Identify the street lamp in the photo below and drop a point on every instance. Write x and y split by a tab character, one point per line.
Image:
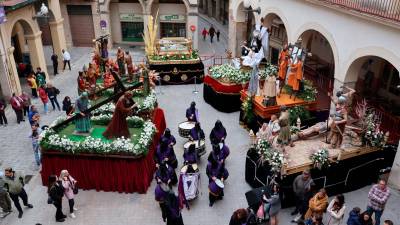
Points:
247	6
44	13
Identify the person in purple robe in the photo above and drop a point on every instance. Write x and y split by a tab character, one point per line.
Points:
216	170
190	156
169	137
218	133
192	114
196	133
174	216
165	153
163	178
219	154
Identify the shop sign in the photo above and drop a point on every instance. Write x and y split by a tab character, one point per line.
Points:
173	18
130	17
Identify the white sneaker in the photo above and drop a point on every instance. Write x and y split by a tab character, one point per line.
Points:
75	209
72	215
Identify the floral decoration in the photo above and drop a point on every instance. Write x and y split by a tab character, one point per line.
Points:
272	156
320	158
229	74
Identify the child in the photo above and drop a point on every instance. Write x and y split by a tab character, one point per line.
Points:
35	145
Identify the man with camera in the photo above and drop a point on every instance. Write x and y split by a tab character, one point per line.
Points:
14	184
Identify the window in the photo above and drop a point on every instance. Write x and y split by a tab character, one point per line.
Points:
171	1
132	31
173	29
390	79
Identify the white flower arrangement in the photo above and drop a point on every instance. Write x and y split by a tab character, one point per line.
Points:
51	140
273	157
320	158
373	135
148	103
276	160
228	73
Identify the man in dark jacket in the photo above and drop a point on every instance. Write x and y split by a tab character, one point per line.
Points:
52	92
54	59
212	33
56	192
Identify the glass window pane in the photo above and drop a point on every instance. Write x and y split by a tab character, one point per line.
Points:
132	31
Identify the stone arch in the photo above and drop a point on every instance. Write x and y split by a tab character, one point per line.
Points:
357	58
238	13
27	25
270	13
325	33
107	5
150	4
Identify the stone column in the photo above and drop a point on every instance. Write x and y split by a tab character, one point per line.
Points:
209	8
36	51
11	73
58	36
193	20
218	10
394	178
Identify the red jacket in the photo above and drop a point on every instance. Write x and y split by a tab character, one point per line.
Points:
16	102
43	95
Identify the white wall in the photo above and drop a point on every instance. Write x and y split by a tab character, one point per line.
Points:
349	36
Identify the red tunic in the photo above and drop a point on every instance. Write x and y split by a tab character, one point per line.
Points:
118	126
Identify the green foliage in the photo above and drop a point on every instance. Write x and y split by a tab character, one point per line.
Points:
298	111
309	93
247	107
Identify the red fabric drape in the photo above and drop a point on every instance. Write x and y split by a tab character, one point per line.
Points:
221	87
105	173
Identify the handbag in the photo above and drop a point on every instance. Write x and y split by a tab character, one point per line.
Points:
75	189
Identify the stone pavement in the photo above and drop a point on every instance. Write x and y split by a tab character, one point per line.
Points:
103	208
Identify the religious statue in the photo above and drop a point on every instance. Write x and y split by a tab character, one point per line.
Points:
338	122
118	127
284	137
283	65
108	79
81	83
120	61
295	76
270	90
264	36
146	81
130	67
82	123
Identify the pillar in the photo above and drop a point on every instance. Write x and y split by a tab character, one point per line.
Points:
58	37
394	178
193	19
209	8
105	15
36	51
218	10
11	78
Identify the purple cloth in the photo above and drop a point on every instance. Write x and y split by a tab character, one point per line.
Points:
159	193
170	139
164	178
190	157
217	135
192	111
218	172
168	153
222	155
196	135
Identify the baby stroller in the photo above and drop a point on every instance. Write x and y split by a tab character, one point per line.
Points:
189	182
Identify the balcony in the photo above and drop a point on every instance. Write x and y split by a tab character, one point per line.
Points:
381	9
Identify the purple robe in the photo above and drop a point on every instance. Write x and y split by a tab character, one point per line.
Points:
168	153
170	139
190	158
218	172
192	111
217	135
196	135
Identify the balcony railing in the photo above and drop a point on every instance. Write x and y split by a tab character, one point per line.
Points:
387	9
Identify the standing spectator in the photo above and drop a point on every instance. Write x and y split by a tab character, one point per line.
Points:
40	77
45	99
218	33
35	145
33	115
211	31
32	83
315	220
26	102
365	218
378	196
54	59
335	210
14	184
56	192
3	118
5	202
239	217
273	204
354	217
174	216
66	59
317	204
16	104
301	184
68	182
204	33
387	222
67	105
52	93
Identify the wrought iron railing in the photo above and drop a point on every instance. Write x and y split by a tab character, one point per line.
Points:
388	9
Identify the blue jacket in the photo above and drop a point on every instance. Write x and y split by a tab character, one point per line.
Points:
354	219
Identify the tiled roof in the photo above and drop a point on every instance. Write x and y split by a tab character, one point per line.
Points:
11	5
